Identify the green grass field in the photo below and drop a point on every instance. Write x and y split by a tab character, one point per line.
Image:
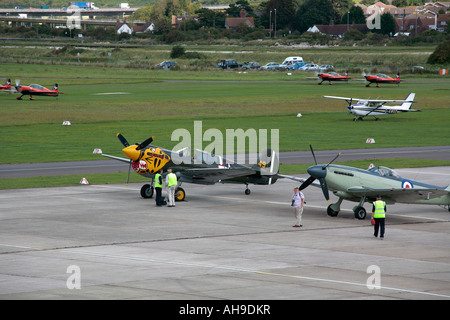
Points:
100	102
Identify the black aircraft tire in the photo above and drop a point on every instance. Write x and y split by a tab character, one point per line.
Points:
360	213
146	191
180	194
331	212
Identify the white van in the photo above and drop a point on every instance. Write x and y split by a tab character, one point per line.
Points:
292	60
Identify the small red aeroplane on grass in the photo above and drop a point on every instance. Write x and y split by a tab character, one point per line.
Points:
6	87
37	90
332	76
382	78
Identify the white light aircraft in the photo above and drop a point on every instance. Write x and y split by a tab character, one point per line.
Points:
374	108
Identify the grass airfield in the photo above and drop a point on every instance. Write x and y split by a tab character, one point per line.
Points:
100	102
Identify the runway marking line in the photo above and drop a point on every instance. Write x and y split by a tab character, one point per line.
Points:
229	268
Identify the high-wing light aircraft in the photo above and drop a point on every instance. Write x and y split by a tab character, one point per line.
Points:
374	108
37	90
195	166
353	184
382	78
332	76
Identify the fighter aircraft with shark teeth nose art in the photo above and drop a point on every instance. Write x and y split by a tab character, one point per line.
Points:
358	185
195	166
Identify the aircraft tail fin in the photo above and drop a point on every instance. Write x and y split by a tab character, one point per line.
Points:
406	105
268	163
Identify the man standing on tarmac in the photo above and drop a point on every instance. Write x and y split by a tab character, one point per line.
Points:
158	188
379	215
298	200
172	183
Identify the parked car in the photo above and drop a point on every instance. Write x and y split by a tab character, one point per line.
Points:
167	64
271	66
287	66
310	67
326	67
251	65
228	64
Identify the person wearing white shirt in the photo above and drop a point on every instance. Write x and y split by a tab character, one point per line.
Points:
298	200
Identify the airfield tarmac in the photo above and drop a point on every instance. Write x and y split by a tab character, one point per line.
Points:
218	244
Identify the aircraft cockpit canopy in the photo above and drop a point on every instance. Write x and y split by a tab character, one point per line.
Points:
37	86
385	172
199	156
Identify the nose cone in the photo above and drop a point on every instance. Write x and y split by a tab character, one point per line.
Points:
132	153
317	172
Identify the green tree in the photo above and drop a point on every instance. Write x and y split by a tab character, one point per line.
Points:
211	18
313	12
400	3
284	10
441	55
234	9
177	51
341	7
387	24
356	16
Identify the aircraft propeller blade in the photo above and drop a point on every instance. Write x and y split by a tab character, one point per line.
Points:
318	172
312	151
142	145
307	183
123	140
324	187
332	160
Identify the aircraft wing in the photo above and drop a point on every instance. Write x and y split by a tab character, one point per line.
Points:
116	158
301	180
400	195
212	175
291	178
368	100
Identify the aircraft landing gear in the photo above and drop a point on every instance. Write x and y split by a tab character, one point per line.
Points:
334	208
247	190
147	191
359	211
180	194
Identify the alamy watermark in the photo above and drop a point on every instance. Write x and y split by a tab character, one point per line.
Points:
74	20
74	280
374	20
236	143
374	280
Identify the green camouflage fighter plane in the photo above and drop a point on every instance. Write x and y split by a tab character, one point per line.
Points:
359	185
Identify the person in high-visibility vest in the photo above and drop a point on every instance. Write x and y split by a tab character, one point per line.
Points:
158	188
172	183
379	215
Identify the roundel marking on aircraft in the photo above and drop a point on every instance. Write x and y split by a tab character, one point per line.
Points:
407	184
